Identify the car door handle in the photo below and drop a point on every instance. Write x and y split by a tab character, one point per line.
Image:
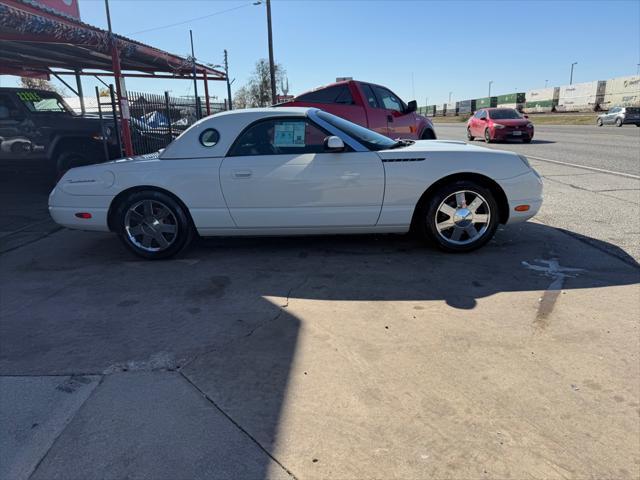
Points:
242	173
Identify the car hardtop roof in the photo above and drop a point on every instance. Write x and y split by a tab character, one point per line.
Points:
22	89
279	111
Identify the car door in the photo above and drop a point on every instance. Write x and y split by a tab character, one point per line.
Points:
611	116
376	113
14	138
479	123
400	124
277	175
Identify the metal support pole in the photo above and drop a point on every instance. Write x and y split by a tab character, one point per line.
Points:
571	77
102	129
490	89
226	72
272	68
206	93
168	108
80	93
115	119
195	78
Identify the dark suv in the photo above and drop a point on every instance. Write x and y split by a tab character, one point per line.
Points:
39	125
619	116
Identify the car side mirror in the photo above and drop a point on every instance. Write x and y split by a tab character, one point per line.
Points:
526	116
412	106
333	144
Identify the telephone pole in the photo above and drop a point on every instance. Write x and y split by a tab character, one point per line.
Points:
226	73
272	68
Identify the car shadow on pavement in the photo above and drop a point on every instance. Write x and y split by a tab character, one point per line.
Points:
220	316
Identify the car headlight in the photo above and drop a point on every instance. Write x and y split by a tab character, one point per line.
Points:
497	125
529	125
524	160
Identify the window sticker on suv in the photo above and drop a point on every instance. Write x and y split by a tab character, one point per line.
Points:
29	97
289	134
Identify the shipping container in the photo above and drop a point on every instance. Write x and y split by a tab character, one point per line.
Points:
450	109
486	102
581	97
440	110
466	107
510	99
541	100
431	110
621	92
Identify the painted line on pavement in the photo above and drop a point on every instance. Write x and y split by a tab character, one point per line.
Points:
595	169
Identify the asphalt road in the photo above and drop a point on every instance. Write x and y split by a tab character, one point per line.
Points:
591	181
609	148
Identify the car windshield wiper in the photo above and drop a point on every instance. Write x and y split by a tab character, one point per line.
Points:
400	142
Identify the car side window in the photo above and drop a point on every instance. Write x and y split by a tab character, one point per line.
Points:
370	97
336	94
389	100
8	110
482	114
279	137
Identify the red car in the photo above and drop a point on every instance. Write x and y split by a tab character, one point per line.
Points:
372	106
499	124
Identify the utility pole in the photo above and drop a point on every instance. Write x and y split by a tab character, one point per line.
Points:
195	78
490	87
272	68
545	83
571	77
226	73
450	96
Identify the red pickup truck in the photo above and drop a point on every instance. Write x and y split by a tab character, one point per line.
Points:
372	106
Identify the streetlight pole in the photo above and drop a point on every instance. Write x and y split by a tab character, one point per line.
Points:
545	83
490	87
571	77
450	96
272	68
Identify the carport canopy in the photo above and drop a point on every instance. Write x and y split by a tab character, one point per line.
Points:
37	41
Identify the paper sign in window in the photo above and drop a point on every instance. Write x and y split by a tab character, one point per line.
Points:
289	134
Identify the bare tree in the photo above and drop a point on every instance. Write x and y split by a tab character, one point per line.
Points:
38	84
257	92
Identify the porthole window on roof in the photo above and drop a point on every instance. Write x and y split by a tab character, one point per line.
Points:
209	137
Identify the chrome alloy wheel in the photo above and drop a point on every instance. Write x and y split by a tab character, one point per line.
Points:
463	217
151	225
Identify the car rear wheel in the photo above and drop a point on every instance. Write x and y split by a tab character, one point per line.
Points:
487	135
618	122
153	225
69	159
599	122
460	217
470	137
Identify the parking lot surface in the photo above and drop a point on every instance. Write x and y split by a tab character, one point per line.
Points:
326	357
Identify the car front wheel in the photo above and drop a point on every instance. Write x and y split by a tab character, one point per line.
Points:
153	225
460	217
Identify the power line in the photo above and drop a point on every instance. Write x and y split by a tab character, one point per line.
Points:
191	19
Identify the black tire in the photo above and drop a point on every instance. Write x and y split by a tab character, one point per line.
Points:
599	122
132	214
68	159
428	134
618	122
470	137
487	136
526	140
428	215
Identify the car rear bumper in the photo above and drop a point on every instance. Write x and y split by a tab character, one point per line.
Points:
66	210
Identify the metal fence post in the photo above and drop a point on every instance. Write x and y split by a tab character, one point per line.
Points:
166	103
102	130
115	118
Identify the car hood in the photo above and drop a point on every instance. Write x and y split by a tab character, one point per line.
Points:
430	146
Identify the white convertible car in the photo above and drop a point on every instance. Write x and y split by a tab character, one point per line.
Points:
297	171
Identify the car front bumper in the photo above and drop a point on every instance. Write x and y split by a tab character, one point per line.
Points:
525	189
509	133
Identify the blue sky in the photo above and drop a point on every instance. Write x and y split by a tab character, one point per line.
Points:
444	46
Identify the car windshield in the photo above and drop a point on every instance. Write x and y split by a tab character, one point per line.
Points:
504	114
43	102
633	110
370	139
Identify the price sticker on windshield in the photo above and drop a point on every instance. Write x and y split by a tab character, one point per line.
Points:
29	96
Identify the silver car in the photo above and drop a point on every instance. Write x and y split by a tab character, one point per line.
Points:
618	116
